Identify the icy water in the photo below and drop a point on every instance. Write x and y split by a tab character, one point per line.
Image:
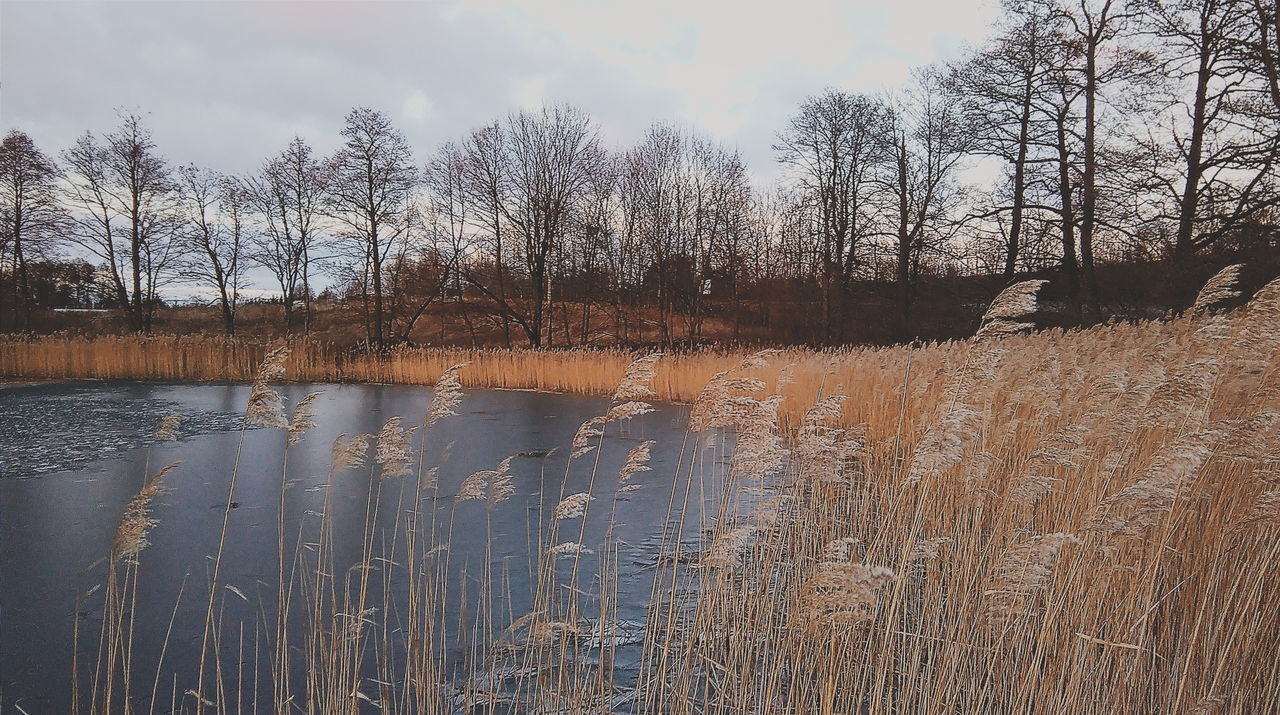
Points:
73	453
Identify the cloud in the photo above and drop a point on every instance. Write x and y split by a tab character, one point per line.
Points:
254	75
236	91
417	107
529	93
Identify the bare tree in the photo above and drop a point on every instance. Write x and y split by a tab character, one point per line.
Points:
370	195
286	198
30	215
929	140
425	270
1096	28
214	211
1262	45
524	179
832	147
1224	141
1059	96
1001	83
464	227
686	203
654	198
123	201
482	184
553	153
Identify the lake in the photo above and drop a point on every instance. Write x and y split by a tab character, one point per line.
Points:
72	454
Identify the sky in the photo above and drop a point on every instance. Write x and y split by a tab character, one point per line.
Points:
225	84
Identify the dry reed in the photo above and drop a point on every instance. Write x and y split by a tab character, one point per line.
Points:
1057	522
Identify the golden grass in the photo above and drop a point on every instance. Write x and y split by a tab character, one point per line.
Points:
1083	522
679	377
1079	523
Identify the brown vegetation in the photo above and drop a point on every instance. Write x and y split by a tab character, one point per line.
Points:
1055	522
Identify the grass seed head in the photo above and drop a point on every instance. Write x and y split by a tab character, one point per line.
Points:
348	451
265	408
447	394
302	418
1012	310
136	521
635	382
392	448
168	427
572	506
1219	289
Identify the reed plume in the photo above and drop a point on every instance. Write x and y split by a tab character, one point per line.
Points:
447	394
572	506
637	461
758	359
136	521
719	404
348	451
844	592
943	444
727	549
1219	289
824	452
1012	310
265	408
929	549
593	429
1142	505
491	486
391	448
569	548
636	379
1021	573
302	419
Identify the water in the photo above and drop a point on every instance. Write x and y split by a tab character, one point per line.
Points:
73	453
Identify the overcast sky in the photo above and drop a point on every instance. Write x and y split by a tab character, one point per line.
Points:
225	84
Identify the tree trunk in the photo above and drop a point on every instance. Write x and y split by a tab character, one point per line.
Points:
286	299
21	279
1070	266
377	290
137	316
904	244
1088	205
1184	247
1019	187
228	317
306	287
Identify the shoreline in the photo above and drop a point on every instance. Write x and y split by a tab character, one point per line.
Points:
27	382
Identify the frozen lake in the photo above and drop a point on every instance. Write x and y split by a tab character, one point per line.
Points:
73	453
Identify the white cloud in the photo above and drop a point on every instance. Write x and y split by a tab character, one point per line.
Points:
417	107
529	93
227	96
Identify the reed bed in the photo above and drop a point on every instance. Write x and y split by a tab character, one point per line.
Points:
212	358
679	377
1083	522
1078	522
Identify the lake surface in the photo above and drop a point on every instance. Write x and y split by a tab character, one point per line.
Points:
73	453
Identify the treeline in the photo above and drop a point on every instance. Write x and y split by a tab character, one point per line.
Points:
1105	132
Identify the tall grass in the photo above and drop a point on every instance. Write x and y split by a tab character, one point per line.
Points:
1084	522
1055	522
677	378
